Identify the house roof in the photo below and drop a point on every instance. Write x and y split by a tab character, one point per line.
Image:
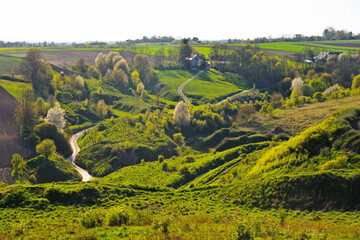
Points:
325	55
322	55
192	57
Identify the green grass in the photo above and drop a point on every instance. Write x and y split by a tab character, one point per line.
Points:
296	46
210	85
14	88
10	65
213	84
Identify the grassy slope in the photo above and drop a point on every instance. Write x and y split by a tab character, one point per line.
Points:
214	84
191	215
212	211
53	170
211	84
295	120
14	88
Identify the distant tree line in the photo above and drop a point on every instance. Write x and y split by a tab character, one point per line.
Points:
328	34
26	44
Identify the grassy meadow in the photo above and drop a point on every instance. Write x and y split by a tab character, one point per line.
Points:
210	85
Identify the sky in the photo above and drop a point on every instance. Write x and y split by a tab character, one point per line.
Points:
109	20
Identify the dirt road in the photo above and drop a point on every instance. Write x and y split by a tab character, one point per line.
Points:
180	88
224	100
76	149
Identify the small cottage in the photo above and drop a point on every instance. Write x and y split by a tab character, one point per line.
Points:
194	60
323	57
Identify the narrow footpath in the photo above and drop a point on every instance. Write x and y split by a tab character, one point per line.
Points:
180	88
76	149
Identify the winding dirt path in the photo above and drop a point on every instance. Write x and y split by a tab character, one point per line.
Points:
76	149
180	88
224	100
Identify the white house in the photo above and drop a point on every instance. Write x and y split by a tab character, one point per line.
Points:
194	60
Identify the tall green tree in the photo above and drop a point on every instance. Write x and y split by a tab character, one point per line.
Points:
185	51
143	66
19	166
37	71
26	112
46	148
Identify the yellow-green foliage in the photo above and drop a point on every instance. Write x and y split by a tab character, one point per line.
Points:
338	163
294	151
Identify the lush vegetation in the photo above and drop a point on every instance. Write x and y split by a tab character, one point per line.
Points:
279	163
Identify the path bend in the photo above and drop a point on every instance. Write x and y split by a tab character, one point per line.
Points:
180	88
76	149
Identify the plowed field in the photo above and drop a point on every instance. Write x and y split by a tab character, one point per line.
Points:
10	141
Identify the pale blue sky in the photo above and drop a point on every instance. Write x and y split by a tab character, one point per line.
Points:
106	20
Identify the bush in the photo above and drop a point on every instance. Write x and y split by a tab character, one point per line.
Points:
164	226
119	217
63	97
242	233
338	163
319	96
33	139
189	159
161	158
15	198
93	219
165	166
356	82
46	130
184	170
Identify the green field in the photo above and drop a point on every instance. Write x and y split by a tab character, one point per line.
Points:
211	84
14	88
9	65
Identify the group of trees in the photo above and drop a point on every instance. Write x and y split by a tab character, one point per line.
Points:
328	34
256	66
37	71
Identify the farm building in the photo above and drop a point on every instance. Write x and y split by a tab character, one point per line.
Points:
194	60
323	57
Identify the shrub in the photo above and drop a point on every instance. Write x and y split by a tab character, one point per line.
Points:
165	166
189	159
119	217
46	148
63	97
15	198
319	96
179	139
163	226
184	170
307	90
338	163
93	219
161	158
93	72
245	112
46	130
33	139
356	82
243	233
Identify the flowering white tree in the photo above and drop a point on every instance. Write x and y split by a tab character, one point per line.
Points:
181	114
56	116
296	85
296	82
